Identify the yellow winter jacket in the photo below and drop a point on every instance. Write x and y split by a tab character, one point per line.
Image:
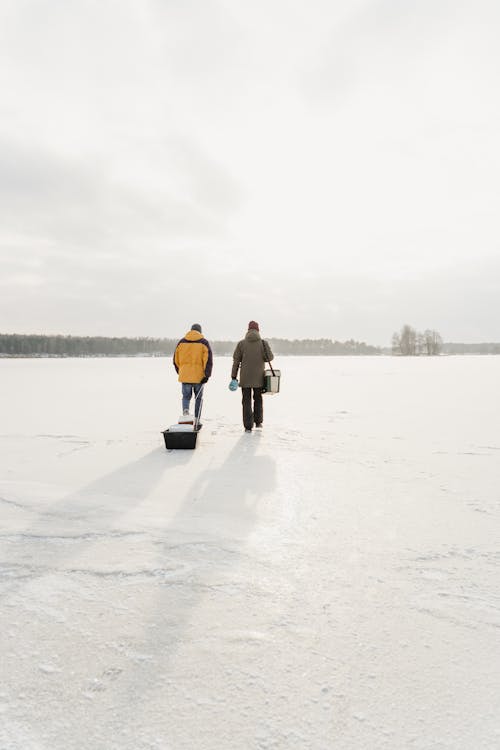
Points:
193	358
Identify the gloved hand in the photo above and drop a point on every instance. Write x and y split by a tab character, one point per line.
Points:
233	385
205	380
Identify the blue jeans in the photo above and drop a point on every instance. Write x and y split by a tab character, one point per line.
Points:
187	392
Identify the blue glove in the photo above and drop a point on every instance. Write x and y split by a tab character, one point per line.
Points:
233	385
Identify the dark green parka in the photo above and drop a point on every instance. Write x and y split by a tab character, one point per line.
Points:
251	354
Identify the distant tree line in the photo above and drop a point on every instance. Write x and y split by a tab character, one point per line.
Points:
484	348
80	346
318	347
407	342
410	343
20	345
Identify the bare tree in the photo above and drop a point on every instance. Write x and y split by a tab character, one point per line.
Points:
433	342
410	342
396	343
420	343
408	338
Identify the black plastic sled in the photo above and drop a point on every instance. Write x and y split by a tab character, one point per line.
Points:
181	440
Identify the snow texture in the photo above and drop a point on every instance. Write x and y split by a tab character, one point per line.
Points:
329	582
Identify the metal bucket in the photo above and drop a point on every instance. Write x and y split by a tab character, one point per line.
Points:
272	381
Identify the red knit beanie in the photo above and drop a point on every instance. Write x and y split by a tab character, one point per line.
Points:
253	325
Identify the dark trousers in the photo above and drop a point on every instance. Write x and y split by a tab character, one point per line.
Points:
257	414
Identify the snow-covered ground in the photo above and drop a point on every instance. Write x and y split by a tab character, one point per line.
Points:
331	583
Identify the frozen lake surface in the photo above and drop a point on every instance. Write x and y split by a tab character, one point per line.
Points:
330	583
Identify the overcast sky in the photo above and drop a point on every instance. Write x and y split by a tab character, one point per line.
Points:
329	168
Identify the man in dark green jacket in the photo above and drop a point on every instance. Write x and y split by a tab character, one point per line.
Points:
249	357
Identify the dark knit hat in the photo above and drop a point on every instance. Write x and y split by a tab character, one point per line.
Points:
253	325
196	327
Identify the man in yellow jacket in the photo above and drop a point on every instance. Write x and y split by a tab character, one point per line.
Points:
193	362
